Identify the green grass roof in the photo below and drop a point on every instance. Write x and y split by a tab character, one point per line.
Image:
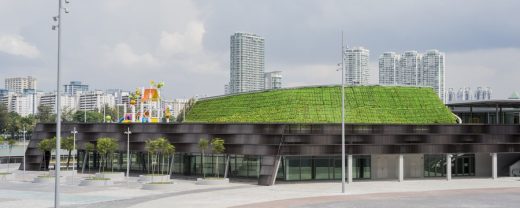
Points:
364	104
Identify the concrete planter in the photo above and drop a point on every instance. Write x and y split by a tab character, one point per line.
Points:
156	178
44	180
63	172
212	181
115	176
90	182
157	186
7	176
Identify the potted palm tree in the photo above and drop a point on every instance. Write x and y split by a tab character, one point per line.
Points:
45	146
217	147
89	147
106	147
160	149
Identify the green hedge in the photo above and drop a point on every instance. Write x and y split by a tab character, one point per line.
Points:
364	104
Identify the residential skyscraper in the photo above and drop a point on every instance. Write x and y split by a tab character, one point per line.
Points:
409	69
432	73
388	66
356	66
75	87
18	84
273	80
247	63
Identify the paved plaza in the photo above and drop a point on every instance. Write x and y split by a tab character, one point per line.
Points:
459	192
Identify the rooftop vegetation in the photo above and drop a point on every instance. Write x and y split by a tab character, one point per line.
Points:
364	104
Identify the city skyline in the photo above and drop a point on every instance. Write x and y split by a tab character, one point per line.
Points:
188	46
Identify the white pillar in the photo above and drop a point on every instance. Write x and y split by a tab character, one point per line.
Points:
349	168
448	166
494	163
401	168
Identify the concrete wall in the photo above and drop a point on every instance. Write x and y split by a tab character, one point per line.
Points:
482	165
413	166
385	166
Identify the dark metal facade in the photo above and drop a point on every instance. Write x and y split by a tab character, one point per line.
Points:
297	139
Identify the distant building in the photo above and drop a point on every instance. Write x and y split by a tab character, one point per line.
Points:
66	101
95	100
247	63
356	66
75	87
408	72
466	94
273	80
18	84
178	105
388	67
433	72
226	89
414	69
451	95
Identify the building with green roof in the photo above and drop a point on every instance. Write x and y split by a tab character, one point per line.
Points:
322	104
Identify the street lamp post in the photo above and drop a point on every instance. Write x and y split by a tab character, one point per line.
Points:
128	132
342	115
58	104
74	132
24	149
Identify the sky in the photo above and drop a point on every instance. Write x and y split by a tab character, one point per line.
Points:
125	44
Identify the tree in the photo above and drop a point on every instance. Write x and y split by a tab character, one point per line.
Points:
45	114
10	142
2	140
28	122
92	116
106	146
67	114
203	145
14	123
3	116
152	148
67	143
89	147
45	145
217	145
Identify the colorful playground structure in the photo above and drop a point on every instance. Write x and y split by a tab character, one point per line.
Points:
148	101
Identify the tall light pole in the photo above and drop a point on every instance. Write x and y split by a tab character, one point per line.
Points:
74	132
128	132
24	149
58	105
342	115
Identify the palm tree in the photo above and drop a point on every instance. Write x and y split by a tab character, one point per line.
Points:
89	147
45	145
10	143
217	145
203	145
68	144
106	146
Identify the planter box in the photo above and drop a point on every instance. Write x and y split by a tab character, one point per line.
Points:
88	182
115	176
7	176
44	180
157	187
156	178
220	181
63	172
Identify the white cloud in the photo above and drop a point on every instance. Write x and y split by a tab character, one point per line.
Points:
189	42
123	54
16	45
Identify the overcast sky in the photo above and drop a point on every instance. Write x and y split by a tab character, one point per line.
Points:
126	43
